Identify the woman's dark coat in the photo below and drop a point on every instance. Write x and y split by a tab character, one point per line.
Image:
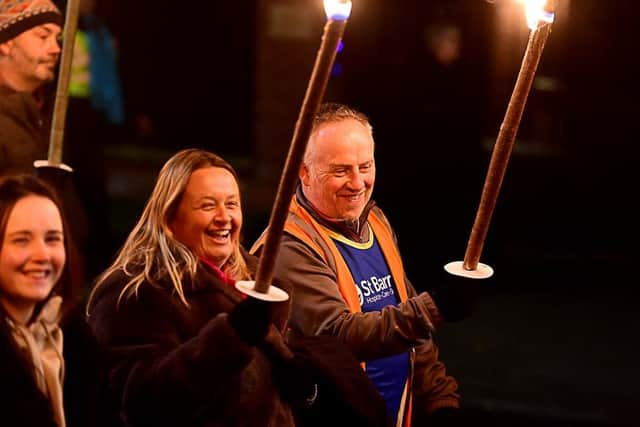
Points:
177	365
22	404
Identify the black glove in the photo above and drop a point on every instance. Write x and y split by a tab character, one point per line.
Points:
449	417
58	178
343	386
457	296
295	380
251	319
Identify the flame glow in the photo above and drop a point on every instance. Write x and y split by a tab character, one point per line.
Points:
536	13
338	10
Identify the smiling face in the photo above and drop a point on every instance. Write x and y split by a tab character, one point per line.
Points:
209	217
32	255
339	170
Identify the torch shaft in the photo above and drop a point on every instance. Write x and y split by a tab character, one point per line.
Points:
325	57
62	89
504	144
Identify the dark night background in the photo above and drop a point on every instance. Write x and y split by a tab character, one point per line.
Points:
554	341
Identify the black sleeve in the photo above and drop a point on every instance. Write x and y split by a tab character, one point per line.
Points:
161	376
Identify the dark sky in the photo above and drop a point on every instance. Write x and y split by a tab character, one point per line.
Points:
569	195
569	198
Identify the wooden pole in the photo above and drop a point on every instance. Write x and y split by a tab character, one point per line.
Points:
504	144
62	91
333	31
502	151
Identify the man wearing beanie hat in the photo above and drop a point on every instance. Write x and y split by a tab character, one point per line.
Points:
30	31
29	53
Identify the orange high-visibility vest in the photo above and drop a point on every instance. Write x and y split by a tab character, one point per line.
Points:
346	283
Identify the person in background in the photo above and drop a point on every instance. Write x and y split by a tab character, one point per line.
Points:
94	70
50	362
29	53
95	119
340	254
185	346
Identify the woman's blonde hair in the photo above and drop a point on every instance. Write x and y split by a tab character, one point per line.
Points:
151	252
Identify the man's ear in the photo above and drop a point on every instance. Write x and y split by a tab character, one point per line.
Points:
5	48
303	174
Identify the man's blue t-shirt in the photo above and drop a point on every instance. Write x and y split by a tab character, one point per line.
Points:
376	290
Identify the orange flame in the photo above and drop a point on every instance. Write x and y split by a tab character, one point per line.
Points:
538	11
